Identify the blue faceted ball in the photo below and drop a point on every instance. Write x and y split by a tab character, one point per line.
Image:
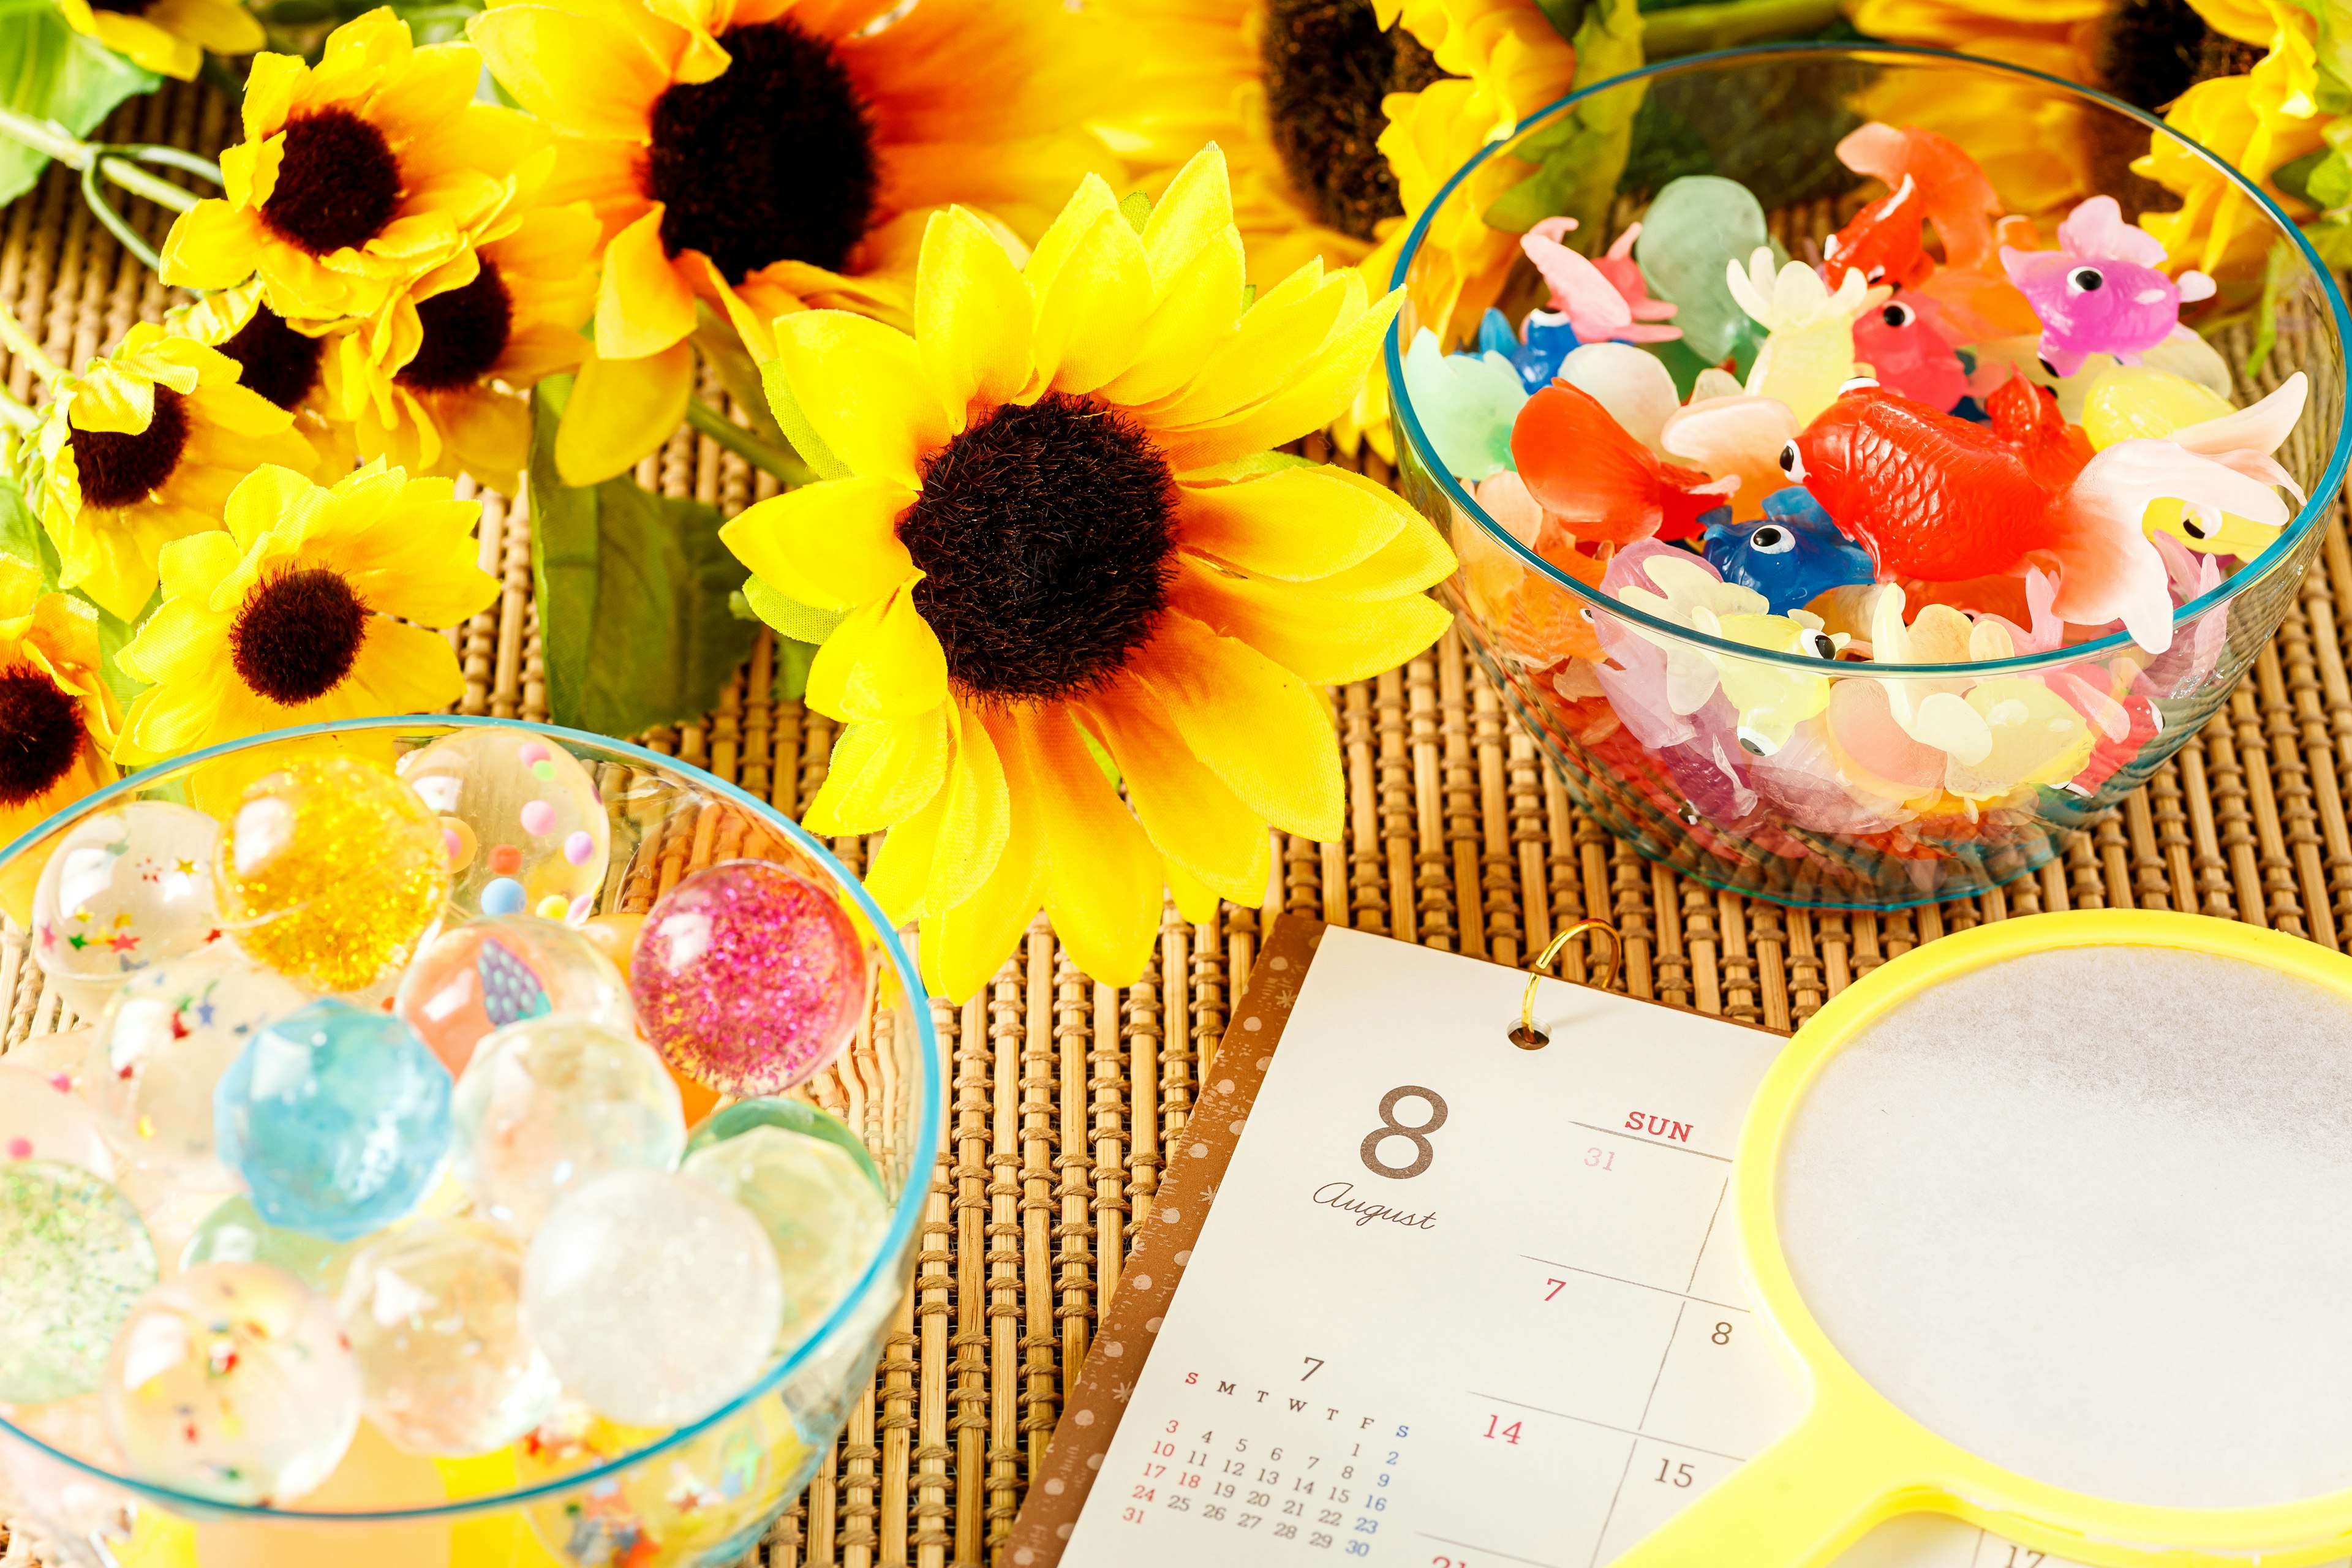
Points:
338	1119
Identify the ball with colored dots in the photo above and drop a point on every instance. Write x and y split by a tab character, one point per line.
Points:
549	1102
748	978
41	1119
234	1382
656	1297
434	1312
537	829
336	1117
123	889
169	1034
74	1257
332	873
480	977
822	1213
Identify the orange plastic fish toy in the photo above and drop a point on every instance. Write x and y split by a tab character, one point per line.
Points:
1588	472
1937	498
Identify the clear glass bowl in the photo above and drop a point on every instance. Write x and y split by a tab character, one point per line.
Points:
1818	822
700	1495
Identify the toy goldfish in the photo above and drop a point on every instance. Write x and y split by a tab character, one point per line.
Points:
1601	484
1907	354
1550	339
1601	299
1810	354
1937	498
1882	241
1953	192
1791	557
2100	291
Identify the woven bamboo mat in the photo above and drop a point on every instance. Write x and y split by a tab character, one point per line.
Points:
1065	1093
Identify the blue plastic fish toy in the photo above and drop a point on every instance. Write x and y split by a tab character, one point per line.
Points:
1791	555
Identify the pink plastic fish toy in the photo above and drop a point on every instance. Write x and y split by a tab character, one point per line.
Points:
1602	300
1908	356
2101	290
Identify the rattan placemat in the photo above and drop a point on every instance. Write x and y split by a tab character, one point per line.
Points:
1066	1093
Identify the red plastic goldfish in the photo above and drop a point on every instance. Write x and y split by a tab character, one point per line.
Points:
1603	485
1940	499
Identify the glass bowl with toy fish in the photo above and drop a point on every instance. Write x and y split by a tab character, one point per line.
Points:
1853	498
321	1332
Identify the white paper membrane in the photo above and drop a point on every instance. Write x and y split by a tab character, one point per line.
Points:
2088	1213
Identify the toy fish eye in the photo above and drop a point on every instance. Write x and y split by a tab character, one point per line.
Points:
1820	644
2085	279
1898	315
1873	275
1770	541
1585	611
2191	527
1792	462
1755	742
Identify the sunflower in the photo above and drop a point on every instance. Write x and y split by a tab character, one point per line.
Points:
2259	122
439	381
283	361
142	448
56	717
1049	525
355	176
167	36
299	612
764	156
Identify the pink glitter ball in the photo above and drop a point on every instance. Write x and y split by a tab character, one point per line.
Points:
748	978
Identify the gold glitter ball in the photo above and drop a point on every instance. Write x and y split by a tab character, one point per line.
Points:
333	873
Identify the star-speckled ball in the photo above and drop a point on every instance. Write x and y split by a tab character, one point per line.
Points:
748	978
332	873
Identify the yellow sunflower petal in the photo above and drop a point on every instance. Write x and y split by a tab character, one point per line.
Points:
1328	641
1092	286
972	316
403	670
1194	214
966	943
1294	524
620	411
1186	323
901	868
1416	559
861	388
1320	395
976	822
883	662
1258	727
1103	879
1277	335
1192	818
831	544
643	306
1195	900
881	773
582	74
212	245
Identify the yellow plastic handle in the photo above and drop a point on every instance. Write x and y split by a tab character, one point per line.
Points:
1798	1504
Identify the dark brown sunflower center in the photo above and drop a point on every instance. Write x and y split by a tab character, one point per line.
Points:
120	469
771	161
338	184
123	8
1046	537
1327	65
298	634
40	735
466	330
280	363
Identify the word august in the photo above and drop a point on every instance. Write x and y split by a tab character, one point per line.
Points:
1341	1195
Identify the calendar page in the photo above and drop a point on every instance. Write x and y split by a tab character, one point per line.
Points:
1411	1297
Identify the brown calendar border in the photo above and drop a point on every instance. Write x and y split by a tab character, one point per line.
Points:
1196	1166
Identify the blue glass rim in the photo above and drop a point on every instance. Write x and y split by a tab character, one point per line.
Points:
2290	538
904	1218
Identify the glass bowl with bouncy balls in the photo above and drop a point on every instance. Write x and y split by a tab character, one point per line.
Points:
487	1460
1867	465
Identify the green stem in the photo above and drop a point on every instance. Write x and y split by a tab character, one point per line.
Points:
19	341
16	416
1695	30
789	470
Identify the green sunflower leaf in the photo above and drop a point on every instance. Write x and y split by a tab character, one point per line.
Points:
633	597
1579	157
51	72
20	532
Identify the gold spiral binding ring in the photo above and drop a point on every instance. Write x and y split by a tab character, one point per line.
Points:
1527	1037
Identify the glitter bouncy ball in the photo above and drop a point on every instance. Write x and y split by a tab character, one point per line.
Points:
748	978
333	872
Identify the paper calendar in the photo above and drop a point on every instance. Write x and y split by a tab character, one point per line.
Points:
1410	1295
